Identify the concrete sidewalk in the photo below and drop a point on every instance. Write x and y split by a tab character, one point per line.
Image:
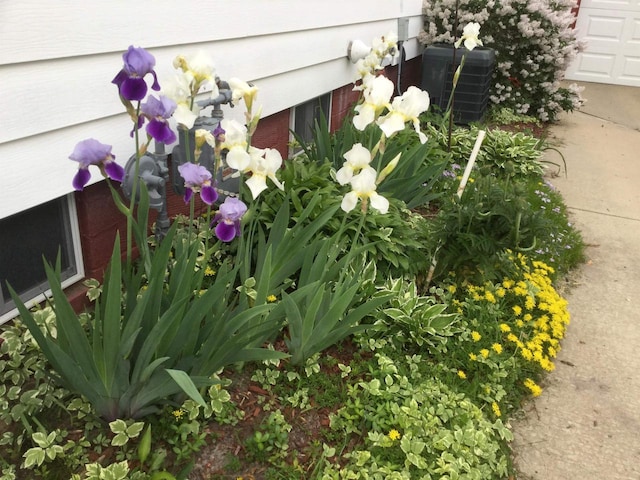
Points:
586	424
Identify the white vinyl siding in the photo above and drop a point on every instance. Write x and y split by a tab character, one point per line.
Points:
57	60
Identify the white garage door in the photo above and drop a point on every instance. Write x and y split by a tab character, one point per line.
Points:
611	29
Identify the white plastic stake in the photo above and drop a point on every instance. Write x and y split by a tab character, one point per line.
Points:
463	183
472	161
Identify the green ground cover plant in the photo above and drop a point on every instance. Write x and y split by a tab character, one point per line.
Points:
304	335
485	342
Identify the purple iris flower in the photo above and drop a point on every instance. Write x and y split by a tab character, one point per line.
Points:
227	220
92	152
218	133
130	80
158	111
197	179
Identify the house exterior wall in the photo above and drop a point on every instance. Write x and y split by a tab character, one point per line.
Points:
99	219
57	60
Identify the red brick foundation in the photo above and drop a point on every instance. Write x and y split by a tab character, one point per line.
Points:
342	102
273	132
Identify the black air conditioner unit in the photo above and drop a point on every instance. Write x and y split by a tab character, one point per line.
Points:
472	92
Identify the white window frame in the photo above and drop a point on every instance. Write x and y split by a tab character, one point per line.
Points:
74	231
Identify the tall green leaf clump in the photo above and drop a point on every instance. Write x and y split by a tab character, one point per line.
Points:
154	334
148	343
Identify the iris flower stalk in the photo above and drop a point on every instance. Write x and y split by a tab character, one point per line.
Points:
131	83
193	73
470	40
241	90
134	191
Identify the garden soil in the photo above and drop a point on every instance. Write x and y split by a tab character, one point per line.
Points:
586	423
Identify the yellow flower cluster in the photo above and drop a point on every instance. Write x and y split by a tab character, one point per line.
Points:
394	434
178	414
489	296
548	318
540	315
535	389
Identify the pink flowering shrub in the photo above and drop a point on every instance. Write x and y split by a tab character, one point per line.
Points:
534	43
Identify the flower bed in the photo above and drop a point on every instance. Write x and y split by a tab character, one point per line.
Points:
321	329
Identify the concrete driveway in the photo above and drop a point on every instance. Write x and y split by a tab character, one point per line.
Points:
586	424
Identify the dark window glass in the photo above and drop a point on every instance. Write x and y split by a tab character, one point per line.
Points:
306	114
25	239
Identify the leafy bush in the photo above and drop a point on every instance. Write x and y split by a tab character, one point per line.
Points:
512	328
492	215
415	426
534	43
562	247
413	321
504	154
499	115
320	314
394	241
497	214
25	387
505	205
50	432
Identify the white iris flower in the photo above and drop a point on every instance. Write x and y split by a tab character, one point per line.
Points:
235	140
470	36
363	186
356	159
264	164
377	95
242	90
406	108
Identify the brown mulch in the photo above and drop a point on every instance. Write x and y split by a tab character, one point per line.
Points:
226	455
530	128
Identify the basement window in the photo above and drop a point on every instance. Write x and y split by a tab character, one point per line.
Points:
28	237
305	117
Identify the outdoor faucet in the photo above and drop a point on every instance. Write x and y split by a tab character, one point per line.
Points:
153	168
153	171
225	96
179	154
